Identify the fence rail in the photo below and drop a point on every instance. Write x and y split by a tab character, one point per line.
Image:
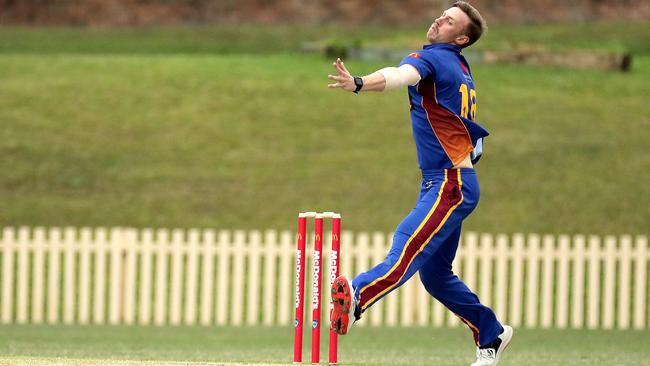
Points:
207	277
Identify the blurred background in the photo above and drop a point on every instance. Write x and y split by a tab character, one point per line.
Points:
153	115
216	114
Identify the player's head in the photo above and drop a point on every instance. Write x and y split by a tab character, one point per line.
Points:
461	25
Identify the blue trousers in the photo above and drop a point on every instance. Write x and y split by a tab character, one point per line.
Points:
426	241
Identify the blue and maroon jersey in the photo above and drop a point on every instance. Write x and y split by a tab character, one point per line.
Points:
443	107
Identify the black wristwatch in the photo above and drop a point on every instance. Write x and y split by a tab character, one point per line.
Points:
358	82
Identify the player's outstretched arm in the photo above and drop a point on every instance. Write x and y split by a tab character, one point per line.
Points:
388	78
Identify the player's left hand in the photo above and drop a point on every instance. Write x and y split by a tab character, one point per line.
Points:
343	79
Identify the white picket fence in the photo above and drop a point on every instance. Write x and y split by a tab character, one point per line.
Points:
207	277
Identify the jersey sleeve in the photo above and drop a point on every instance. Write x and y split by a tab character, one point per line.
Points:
418	60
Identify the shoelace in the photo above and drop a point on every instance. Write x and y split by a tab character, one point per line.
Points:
487	354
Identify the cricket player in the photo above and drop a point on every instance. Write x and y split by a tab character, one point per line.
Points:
442	96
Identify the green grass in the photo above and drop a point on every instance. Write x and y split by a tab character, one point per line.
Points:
366	346
255	38
157	131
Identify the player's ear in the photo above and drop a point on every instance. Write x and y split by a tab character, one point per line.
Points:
461	40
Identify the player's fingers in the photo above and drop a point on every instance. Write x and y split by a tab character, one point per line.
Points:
335	85
342	67
339	67
336	78
341	72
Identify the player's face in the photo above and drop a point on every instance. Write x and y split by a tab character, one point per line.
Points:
449	27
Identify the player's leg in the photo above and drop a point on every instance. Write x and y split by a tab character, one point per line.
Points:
440	281
438	278
440	209
346	293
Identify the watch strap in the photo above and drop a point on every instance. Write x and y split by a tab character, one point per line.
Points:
358	83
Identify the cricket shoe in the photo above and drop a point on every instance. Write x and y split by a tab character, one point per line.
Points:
491	354
343	305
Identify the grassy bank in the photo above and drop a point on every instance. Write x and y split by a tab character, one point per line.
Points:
157	139
255	38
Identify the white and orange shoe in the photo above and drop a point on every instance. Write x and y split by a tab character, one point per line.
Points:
344	305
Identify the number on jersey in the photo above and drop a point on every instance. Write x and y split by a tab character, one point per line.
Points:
468	102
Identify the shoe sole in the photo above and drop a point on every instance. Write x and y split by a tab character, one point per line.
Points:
341	301
506	343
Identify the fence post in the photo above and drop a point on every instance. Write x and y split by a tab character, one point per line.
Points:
516	292
53	278
502	255
253	277
38	290
191	274
22	290
548	259
207	276
285	284
271	252
564	254
577	302
69	270
640	287
131	249
237	303
162	249
99	310
223	255
8	240
176	294
532	283
625	264
610	283
85	241
115	284
146	254
594	282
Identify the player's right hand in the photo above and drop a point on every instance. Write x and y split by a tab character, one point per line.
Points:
343	79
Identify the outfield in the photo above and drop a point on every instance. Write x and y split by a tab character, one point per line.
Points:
104	345
208	128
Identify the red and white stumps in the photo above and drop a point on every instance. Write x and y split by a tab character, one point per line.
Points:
300	288
316	281
334	273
